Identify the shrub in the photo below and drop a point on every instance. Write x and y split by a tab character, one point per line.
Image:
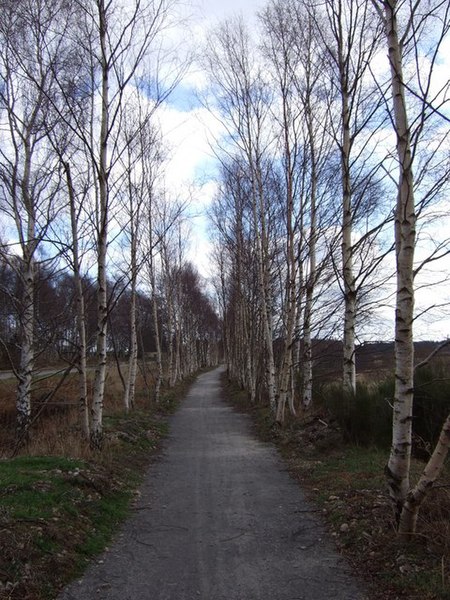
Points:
366	418
431	404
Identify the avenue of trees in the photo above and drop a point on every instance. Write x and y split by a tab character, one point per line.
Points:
334	175
332	194
92	256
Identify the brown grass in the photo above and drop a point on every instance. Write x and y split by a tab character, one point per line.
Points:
56	427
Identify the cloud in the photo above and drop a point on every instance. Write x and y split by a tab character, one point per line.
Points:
188	135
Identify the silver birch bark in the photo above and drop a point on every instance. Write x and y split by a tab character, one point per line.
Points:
132	359
28	245
118	42
264	293
152	279
169	293
342	59
278	49
416	496
349	362
133	230
80	304
315	126
27	167
400	39
398	467
25	372
262	246
354	40
307	363
102	235
244	107
159	359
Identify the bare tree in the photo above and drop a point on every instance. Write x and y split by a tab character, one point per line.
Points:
417	101
232	216
243	100
117	39
348	32
30	178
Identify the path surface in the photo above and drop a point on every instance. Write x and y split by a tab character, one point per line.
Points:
218	519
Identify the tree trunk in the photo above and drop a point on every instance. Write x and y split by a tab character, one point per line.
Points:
132	362
23	403
159	363
414	499
102	243
291	288
28	243
349	364
81	314
307	364
398	468
263	276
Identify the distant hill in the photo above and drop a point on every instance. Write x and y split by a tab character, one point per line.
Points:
372	358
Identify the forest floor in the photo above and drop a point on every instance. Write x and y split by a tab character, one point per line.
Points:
346	484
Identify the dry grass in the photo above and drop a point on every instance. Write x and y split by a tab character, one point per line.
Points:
56	429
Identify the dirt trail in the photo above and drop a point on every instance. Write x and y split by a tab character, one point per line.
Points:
218	518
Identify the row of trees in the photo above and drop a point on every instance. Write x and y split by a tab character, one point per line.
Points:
335	162
82	195
56	332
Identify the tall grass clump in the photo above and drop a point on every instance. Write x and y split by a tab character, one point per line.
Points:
431	403
364	418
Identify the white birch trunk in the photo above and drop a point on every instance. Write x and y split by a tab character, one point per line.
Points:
159	363
169	292
307	363
291	288
102	243
130	385
25	373
415	498
398	467
81	313
263	280
28	243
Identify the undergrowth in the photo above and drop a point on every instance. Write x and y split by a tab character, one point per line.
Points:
365	418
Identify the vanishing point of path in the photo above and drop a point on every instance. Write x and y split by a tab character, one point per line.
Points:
218	518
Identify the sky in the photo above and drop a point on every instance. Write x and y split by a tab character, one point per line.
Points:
189	129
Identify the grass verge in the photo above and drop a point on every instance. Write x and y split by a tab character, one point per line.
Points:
346	484
57	513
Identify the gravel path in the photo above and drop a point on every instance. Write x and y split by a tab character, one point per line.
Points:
218	518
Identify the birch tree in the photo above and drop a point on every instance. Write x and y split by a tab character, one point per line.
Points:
349	35
416	100
243	101
30	179
280	49
231	214
118	39
142	148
